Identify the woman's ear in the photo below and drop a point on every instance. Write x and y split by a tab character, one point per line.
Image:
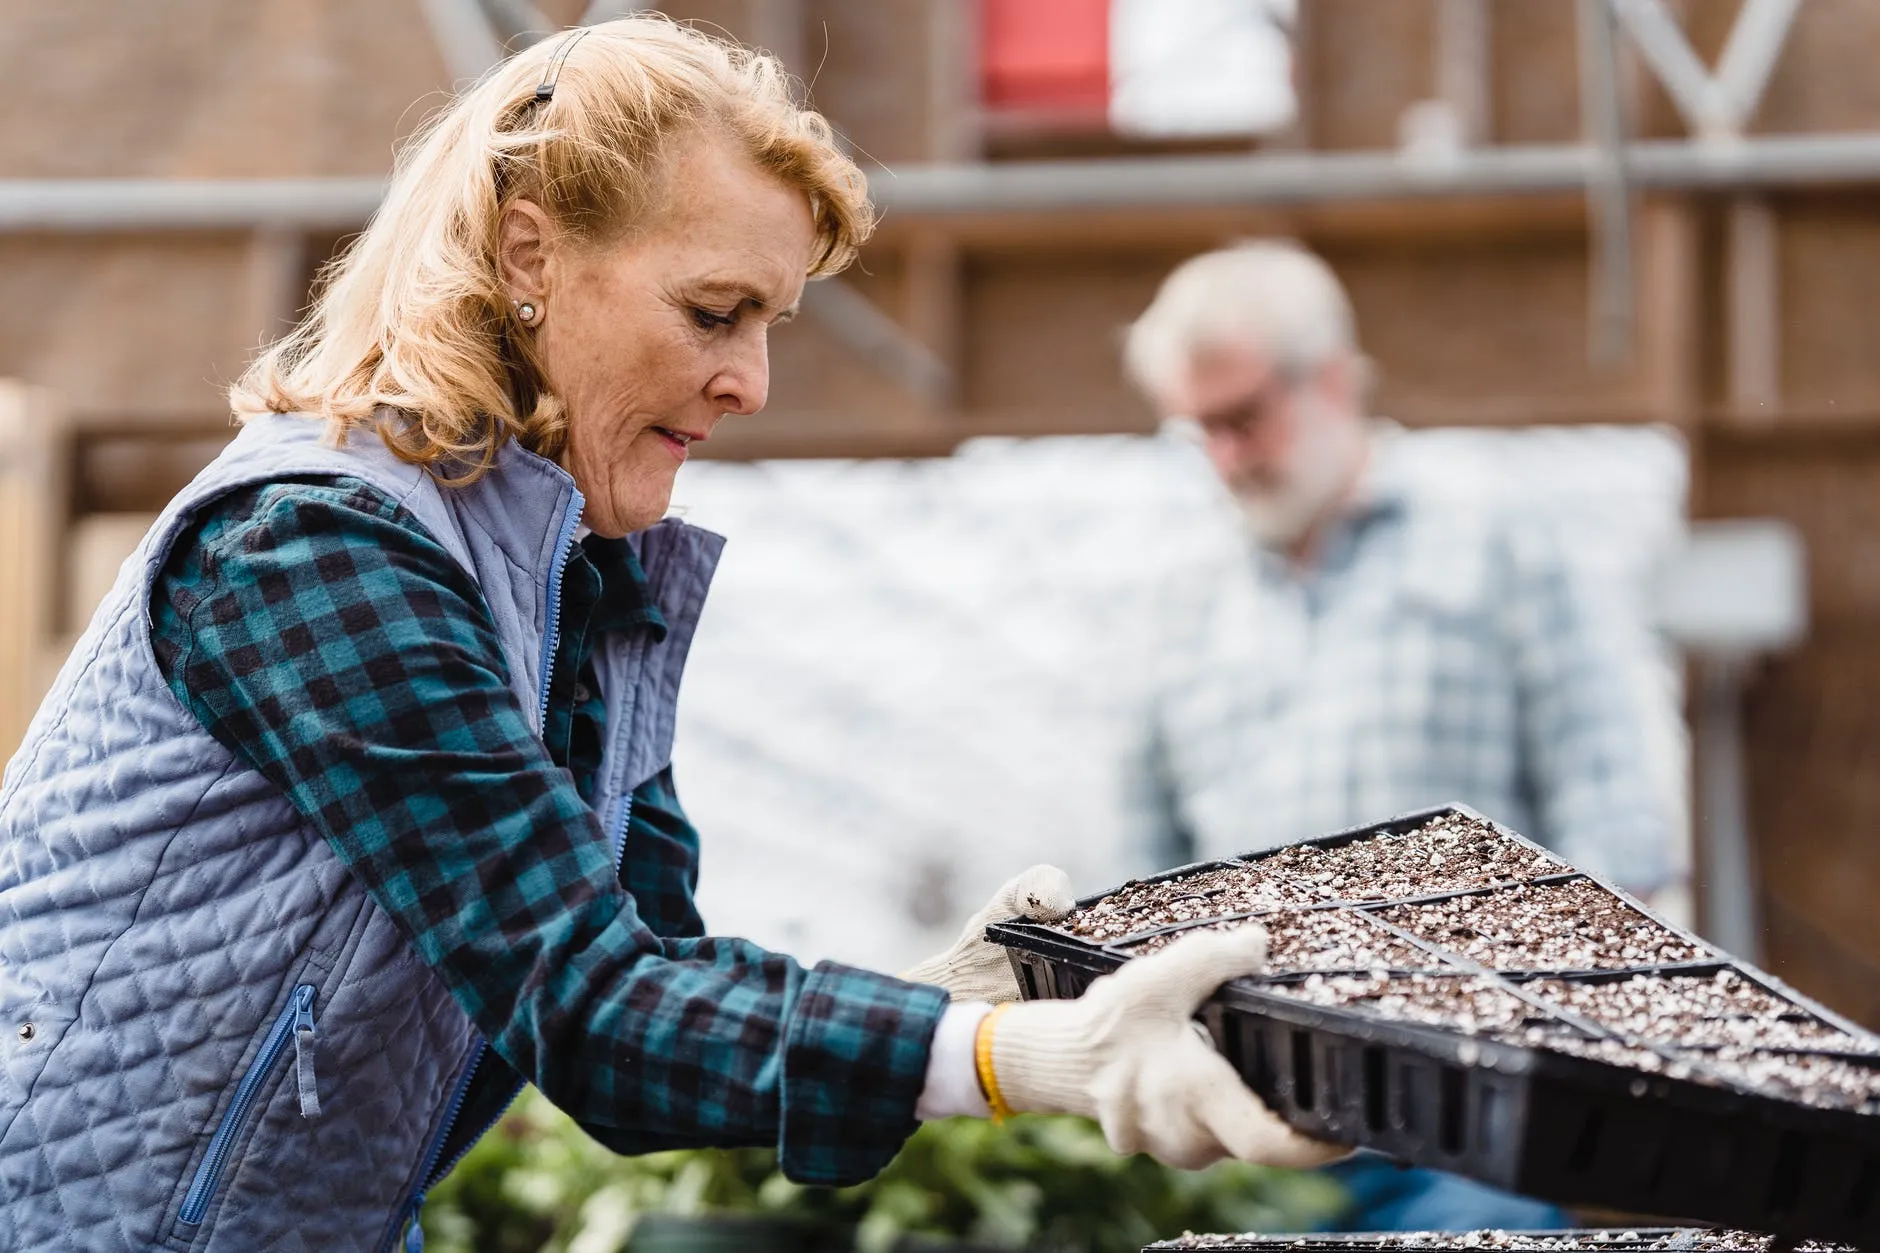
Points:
523	239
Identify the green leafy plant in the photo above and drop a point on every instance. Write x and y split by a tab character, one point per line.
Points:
537	1183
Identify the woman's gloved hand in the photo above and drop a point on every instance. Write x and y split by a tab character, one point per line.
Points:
1129	1054
974	970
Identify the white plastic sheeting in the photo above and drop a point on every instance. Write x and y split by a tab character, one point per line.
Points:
915	678
1200	67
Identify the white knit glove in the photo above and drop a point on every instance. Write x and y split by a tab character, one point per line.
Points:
1129	1054
975	970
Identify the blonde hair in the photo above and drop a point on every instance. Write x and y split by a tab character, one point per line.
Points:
414	317
1270	294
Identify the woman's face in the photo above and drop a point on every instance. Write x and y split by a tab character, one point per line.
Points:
650	339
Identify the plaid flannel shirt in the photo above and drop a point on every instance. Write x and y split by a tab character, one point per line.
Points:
319	633
1440	649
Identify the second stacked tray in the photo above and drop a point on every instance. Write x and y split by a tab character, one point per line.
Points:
1447	992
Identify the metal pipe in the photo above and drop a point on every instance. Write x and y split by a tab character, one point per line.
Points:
1685	78
1762	28
520	22
941	191
1306	178
860	326
465	37
1732	919
1463	65
607	10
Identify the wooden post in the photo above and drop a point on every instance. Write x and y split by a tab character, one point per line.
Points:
1753	306
936	312
1669	316
276	280
1463	66
32	508
935	309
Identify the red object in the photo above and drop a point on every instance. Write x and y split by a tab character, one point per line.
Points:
1045	55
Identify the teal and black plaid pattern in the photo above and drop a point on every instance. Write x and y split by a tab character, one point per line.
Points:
320	634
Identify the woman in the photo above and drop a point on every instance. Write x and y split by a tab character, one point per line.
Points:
353	808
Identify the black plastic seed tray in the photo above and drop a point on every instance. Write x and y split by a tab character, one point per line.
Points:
1578	1240
1526	1076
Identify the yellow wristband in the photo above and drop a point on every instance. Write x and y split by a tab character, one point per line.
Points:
982	1063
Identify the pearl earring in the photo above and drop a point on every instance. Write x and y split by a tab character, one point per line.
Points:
527	312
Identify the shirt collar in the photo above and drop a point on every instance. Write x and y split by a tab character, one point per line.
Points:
1387	482
626	600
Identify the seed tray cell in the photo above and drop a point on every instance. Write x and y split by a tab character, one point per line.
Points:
1452	852
1575	1043
1634	1240
1468	1003
1513	1052
1575	925
1830	1082
1700	1011
1217	891
1305	940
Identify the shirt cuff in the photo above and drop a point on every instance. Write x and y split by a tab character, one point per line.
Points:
952	1089
854	1060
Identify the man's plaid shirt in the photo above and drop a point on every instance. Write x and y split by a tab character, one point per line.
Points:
1442	648
327	640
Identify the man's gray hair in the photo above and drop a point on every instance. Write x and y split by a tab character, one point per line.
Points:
1271	295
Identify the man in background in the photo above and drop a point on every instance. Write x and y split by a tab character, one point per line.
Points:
1392	639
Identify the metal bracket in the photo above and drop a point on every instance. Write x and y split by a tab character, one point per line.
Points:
1714	105
860	326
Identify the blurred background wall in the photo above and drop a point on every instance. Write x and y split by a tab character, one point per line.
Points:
172	176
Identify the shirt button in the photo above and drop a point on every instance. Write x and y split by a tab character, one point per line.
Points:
581	694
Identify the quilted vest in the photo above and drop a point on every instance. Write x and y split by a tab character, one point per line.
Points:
210	1037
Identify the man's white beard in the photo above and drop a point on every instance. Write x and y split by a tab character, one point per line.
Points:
1279	515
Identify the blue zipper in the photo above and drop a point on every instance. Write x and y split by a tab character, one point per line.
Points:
550	642
414	1205
620	834
414	1230
295	1016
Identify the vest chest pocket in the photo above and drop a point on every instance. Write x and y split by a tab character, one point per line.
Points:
292	1029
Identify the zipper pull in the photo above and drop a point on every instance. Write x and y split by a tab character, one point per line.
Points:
414	1234
304	1052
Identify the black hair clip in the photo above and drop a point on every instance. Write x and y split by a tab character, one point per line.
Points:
546	90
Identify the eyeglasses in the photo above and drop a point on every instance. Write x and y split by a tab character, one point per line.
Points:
1237	420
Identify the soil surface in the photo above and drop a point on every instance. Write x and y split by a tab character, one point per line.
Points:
1448	854
1138	907
1465	1003
1565	1039
1589	1241
1576	925
1301	940
1832	1082
1698	1011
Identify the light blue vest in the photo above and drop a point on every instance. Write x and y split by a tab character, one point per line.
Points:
210	1038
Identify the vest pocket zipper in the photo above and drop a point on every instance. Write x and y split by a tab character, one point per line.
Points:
293	1025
